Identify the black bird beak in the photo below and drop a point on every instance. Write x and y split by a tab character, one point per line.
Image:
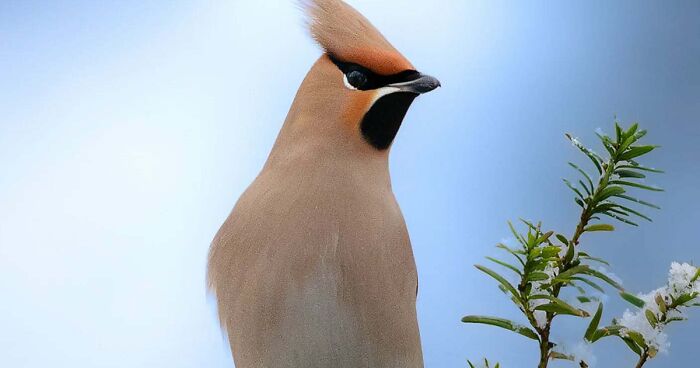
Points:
422	84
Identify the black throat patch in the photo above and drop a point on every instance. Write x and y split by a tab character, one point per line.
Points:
383	120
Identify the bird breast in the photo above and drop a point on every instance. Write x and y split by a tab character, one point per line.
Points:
312	260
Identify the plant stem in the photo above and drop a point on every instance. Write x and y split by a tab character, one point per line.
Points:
544	348
586	214
642	359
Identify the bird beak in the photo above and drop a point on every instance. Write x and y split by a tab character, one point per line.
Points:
422	84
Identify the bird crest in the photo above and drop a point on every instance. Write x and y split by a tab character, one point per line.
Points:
348	36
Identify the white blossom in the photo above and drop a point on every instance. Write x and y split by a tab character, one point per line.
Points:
654	337
680	277
680	281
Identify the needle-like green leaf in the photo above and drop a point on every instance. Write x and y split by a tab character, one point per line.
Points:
632	345
609	192
501	280
593	326
604	277
561	356
637	338
651	317
629	174
562	308
516	235
619	135
537	276
661	303
632	299
585	175
631	138
544	237
502	323
636	152
638	167
515	253
589	283
596	259
632	199
562	239
636	185
621	219
684	298
599	227
504	264
591	155
634	212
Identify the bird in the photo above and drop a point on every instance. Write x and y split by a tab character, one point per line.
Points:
314	266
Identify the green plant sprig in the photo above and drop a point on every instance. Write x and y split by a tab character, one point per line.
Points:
549	261
668	309
486	364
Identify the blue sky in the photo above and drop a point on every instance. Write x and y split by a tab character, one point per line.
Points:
130	128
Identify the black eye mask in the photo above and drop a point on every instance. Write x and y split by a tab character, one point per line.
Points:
382	121
365	80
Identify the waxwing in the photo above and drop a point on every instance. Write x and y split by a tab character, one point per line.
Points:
314	267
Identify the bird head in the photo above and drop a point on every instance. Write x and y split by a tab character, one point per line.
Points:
360	89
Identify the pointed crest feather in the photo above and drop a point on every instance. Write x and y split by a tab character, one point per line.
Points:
348	36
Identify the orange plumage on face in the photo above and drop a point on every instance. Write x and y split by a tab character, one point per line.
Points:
370	81
384	62
356	107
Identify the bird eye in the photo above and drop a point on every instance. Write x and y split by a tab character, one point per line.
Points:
356	78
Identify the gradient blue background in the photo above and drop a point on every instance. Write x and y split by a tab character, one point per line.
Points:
128	129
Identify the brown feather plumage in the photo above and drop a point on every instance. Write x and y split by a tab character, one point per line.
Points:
313	268
346	34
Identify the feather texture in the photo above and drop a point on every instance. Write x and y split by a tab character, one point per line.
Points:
347	35
313	268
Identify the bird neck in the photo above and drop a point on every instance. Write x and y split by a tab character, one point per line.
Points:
323	129
294	154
